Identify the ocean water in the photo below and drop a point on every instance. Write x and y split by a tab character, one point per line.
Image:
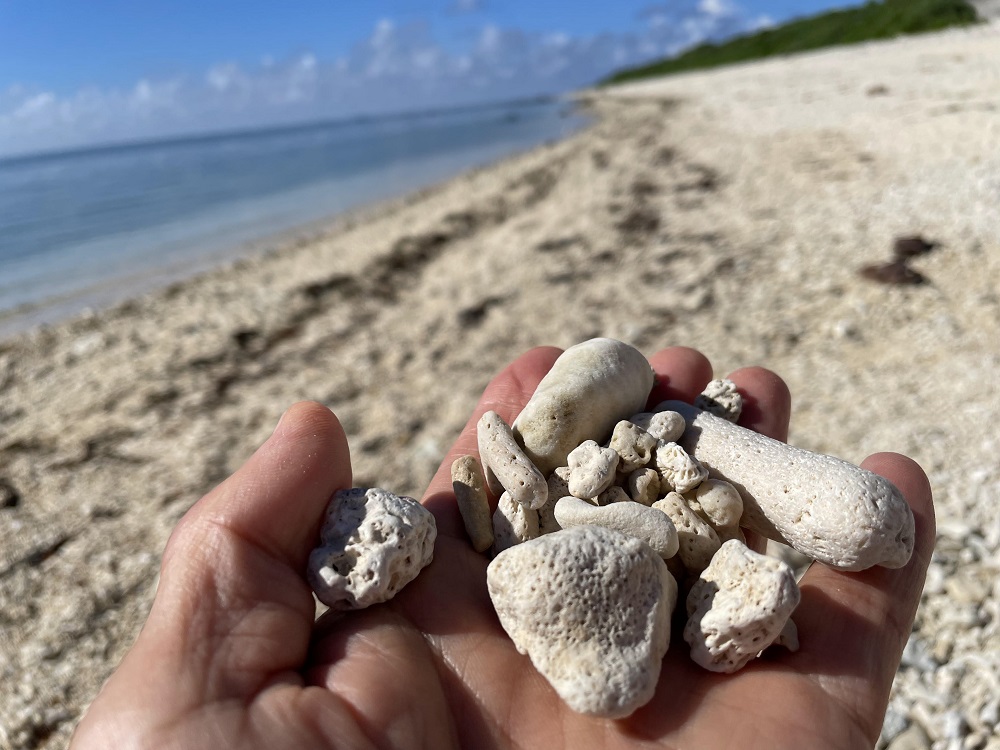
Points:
88	228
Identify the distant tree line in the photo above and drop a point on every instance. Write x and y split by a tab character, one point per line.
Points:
874	20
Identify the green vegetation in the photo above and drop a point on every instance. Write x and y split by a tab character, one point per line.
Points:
871	21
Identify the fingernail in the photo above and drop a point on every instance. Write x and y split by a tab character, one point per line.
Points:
282	419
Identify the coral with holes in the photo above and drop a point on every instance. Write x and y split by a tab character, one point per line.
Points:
679	471
372	544
739	606
591	609
722	399
633	445
826	508
697	540
720	504
504	460
663	425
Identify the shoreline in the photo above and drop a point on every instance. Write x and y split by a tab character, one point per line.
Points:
727	210
26	318
200	243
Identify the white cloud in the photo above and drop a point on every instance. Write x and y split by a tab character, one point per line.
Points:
35	106
717	8
467	6
399	66
223	77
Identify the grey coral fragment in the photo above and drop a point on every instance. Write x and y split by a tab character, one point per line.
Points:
558	482
644	486
613	494
470	495
512	523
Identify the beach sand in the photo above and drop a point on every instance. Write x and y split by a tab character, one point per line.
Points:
727	210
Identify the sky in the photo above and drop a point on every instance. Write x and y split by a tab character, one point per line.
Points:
75	73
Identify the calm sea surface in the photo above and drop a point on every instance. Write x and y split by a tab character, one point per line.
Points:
88	228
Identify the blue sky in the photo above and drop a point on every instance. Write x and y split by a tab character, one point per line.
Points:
75	72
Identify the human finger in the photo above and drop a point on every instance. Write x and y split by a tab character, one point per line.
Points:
277	498
767	403
232	581
853	626
681	374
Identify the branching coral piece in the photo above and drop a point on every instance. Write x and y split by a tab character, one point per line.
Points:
502	455
826	508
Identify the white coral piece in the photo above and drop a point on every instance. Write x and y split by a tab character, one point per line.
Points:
697	539
591	608
720	504
633	445
644	486
646	524
590	387
664	425
373	543
502	455
722	399
738	607
591	469
679	471
826	508
512	523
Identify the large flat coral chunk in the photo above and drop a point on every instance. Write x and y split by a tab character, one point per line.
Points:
591	608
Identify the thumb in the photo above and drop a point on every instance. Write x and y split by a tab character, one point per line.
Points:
233	610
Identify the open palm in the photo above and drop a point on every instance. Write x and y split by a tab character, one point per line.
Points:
231	656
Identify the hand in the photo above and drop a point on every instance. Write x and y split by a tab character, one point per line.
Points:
231	657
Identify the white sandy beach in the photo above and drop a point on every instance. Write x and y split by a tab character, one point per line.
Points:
727	210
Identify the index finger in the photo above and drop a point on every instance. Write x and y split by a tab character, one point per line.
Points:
853	626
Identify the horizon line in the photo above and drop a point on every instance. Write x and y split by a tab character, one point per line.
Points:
305	125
